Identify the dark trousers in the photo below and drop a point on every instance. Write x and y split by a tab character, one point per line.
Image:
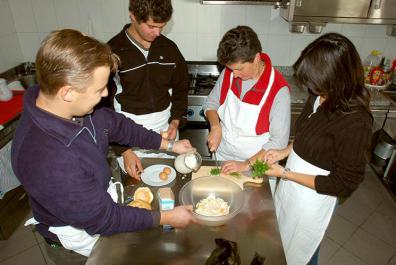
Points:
61	256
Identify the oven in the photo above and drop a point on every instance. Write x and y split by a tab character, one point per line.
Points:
202	78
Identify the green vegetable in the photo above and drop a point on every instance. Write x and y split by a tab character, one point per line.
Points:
235	174
259	168
215	171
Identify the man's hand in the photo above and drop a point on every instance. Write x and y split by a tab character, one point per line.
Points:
182	146
132	164
234	166
178	217
172	129
214	138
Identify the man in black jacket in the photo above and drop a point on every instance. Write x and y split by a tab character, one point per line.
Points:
151	65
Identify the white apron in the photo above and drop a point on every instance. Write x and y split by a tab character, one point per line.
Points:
238	122
77	239
303	214
156	121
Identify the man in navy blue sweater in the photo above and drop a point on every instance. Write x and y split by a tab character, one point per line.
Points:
59	150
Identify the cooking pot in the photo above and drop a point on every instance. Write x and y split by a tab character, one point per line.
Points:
385	145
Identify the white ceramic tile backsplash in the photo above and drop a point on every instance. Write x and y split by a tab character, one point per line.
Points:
22	11
196	28
44	13
6	21
67	13
10	52
30	43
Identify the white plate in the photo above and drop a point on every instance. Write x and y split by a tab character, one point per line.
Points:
150	176
369	86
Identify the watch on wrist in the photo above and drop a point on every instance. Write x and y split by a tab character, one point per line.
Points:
170	145
284	173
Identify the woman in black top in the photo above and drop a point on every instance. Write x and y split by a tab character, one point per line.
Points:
327	158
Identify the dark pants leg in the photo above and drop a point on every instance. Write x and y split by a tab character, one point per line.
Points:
62	256
315	258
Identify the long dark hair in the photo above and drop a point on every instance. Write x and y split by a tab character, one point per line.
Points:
331	67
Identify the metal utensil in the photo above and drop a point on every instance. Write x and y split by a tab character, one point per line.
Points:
217	162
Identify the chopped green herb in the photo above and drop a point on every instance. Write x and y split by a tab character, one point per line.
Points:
235	174
259	168
215	171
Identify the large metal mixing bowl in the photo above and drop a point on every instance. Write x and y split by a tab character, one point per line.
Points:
200	188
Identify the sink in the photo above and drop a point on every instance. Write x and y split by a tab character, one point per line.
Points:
391	94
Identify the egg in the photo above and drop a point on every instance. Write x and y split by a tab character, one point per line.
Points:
166	170
163	176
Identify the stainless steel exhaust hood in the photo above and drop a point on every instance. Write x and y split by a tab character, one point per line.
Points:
315	14
241	2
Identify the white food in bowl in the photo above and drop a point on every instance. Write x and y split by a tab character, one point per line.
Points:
212	206
191	161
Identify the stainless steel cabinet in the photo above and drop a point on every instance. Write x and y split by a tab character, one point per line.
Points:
383	9
316	13
334	8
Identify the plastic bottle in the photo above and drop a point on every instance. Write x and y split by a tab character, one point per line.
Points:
376	74
393	84
373	60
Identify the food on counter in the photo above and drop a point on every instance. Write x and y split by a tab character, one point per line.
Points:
215	171
143	194
259	168
140	204
163	176
212	206
235	174
191	161
167	170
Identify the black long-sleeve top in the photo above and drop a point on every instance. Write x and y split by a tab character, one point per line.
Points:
336	142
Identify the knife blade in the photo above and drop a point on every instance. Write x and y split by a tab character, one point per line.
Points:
215	157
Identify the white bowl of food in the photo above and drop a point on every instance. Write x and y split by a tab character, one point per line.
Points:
215	199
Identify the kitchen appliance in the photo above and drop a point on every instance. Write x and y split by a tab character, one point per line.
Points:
201	188
315	14
202	78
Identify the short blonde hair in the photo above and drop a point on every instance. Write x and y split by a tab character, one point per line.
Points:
68	57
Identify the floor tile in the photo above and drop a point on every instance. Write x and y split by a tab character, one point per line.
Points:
30	256
343	257
370	196
327	249
382	227
387	208
340	229
22	239
354	210
46	258
393	260
369	248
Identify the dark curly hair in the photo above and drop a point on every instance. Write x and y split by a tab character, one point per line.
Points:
331	67
239	44
159	11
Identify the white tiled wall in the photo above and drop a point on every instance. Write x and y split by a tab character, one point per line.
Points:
196	28
10	51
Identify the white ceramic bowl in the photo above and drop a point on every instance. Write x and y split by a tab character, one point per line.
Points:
200	188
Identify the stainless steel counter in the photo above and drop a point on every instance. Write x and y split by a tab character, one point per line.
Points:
254	229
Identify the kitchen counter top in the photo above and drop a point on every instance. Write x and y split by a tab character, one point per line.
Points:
254	229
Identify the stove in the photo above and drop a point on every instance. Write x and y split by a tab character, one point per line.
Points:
202	78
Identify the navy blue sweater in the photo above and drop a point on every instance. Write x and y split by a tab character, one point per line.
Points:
62	166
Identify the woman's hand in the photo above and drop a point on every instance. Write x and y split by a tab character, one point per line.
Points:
234	166
132	164
182	146
272	156
172	130
275	170
214	138
178	217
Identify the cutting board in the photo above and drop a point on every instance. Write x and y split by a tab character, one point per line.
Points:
241	180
